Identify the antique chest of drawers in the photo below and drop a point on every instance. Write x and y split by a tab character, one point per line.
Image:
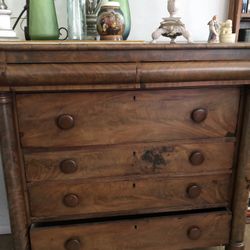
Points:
125	146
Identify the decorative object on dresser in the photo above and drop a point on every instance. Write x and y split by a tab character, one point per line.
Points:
125	146
226	32
43	24
214	29
124	4
111	22
5	28
172	26
77	27
92	9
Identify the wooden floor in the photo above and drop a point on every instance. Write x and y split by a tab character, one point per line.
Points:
6	243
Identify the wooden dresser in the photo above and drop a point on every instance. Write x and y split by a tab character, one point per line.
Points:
125	146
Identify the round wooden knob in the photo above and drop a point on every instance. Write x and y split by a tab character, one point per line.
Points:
68	166
196	158
194	191
65	122
194	233
73	244
199	115
71	200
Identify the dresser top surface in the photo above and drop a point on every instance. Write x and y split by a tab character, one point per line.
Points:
123	45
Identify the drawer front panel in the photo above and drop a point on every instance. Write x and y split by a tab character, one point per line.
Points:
161	233
137	159
80	119
111	196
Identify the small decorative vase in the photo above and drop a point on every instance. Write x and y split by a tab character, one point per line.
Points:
124	4
110	22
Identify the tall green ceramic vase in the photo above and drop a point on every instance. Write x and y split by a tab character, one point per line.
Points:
126	12
43	24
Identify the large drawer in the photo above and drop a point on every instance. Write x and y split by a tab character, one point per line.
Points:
174	159
80	119
159	233
107	196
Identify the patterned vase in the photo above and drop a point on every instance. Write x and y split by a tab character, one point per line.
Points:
126	12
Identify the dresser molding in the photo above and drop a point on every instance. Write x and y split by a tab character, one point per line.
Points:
55	68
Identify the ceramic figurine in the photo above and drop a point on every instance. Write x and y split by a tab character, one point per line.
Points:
172	26
226	32
213	30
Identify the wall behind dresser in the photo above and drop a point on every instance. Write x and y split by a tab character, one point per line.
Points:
146	16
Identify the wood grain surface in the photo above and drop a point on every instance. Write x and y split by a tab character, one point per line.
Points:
108	196
126	117
172	159
141	234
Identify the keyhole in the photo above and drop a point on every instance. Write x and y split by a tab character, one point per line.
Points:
134	185
134	98
134	154
135	227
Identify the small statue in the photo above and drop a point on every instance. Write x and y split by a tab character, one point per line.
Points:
226	32
226	27
213	30
91	6
172	26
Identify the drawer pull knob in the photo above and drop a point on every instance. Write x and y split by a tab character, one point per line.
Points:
68	166
196	158
73	244
71	200
65	122
199	115
194	191
194	233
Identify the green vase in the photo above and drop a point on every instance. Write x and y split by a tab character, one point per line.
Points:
126	12
43	24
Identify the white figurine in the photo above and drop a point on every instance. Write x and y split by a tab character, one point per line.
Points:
213	30
226	32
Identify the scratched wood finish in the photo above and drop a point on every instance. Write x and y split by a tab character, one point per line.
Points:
121	196
140	234
125	117
171	159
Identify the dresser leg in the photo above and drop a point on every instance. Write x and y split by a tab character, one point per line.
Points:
13	173
236	246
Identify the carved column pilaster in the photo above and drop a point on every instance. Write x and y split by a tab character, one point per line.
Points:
241	187
13	173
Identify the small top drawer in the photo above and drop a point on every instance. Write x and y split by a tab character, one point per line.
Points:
102	118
